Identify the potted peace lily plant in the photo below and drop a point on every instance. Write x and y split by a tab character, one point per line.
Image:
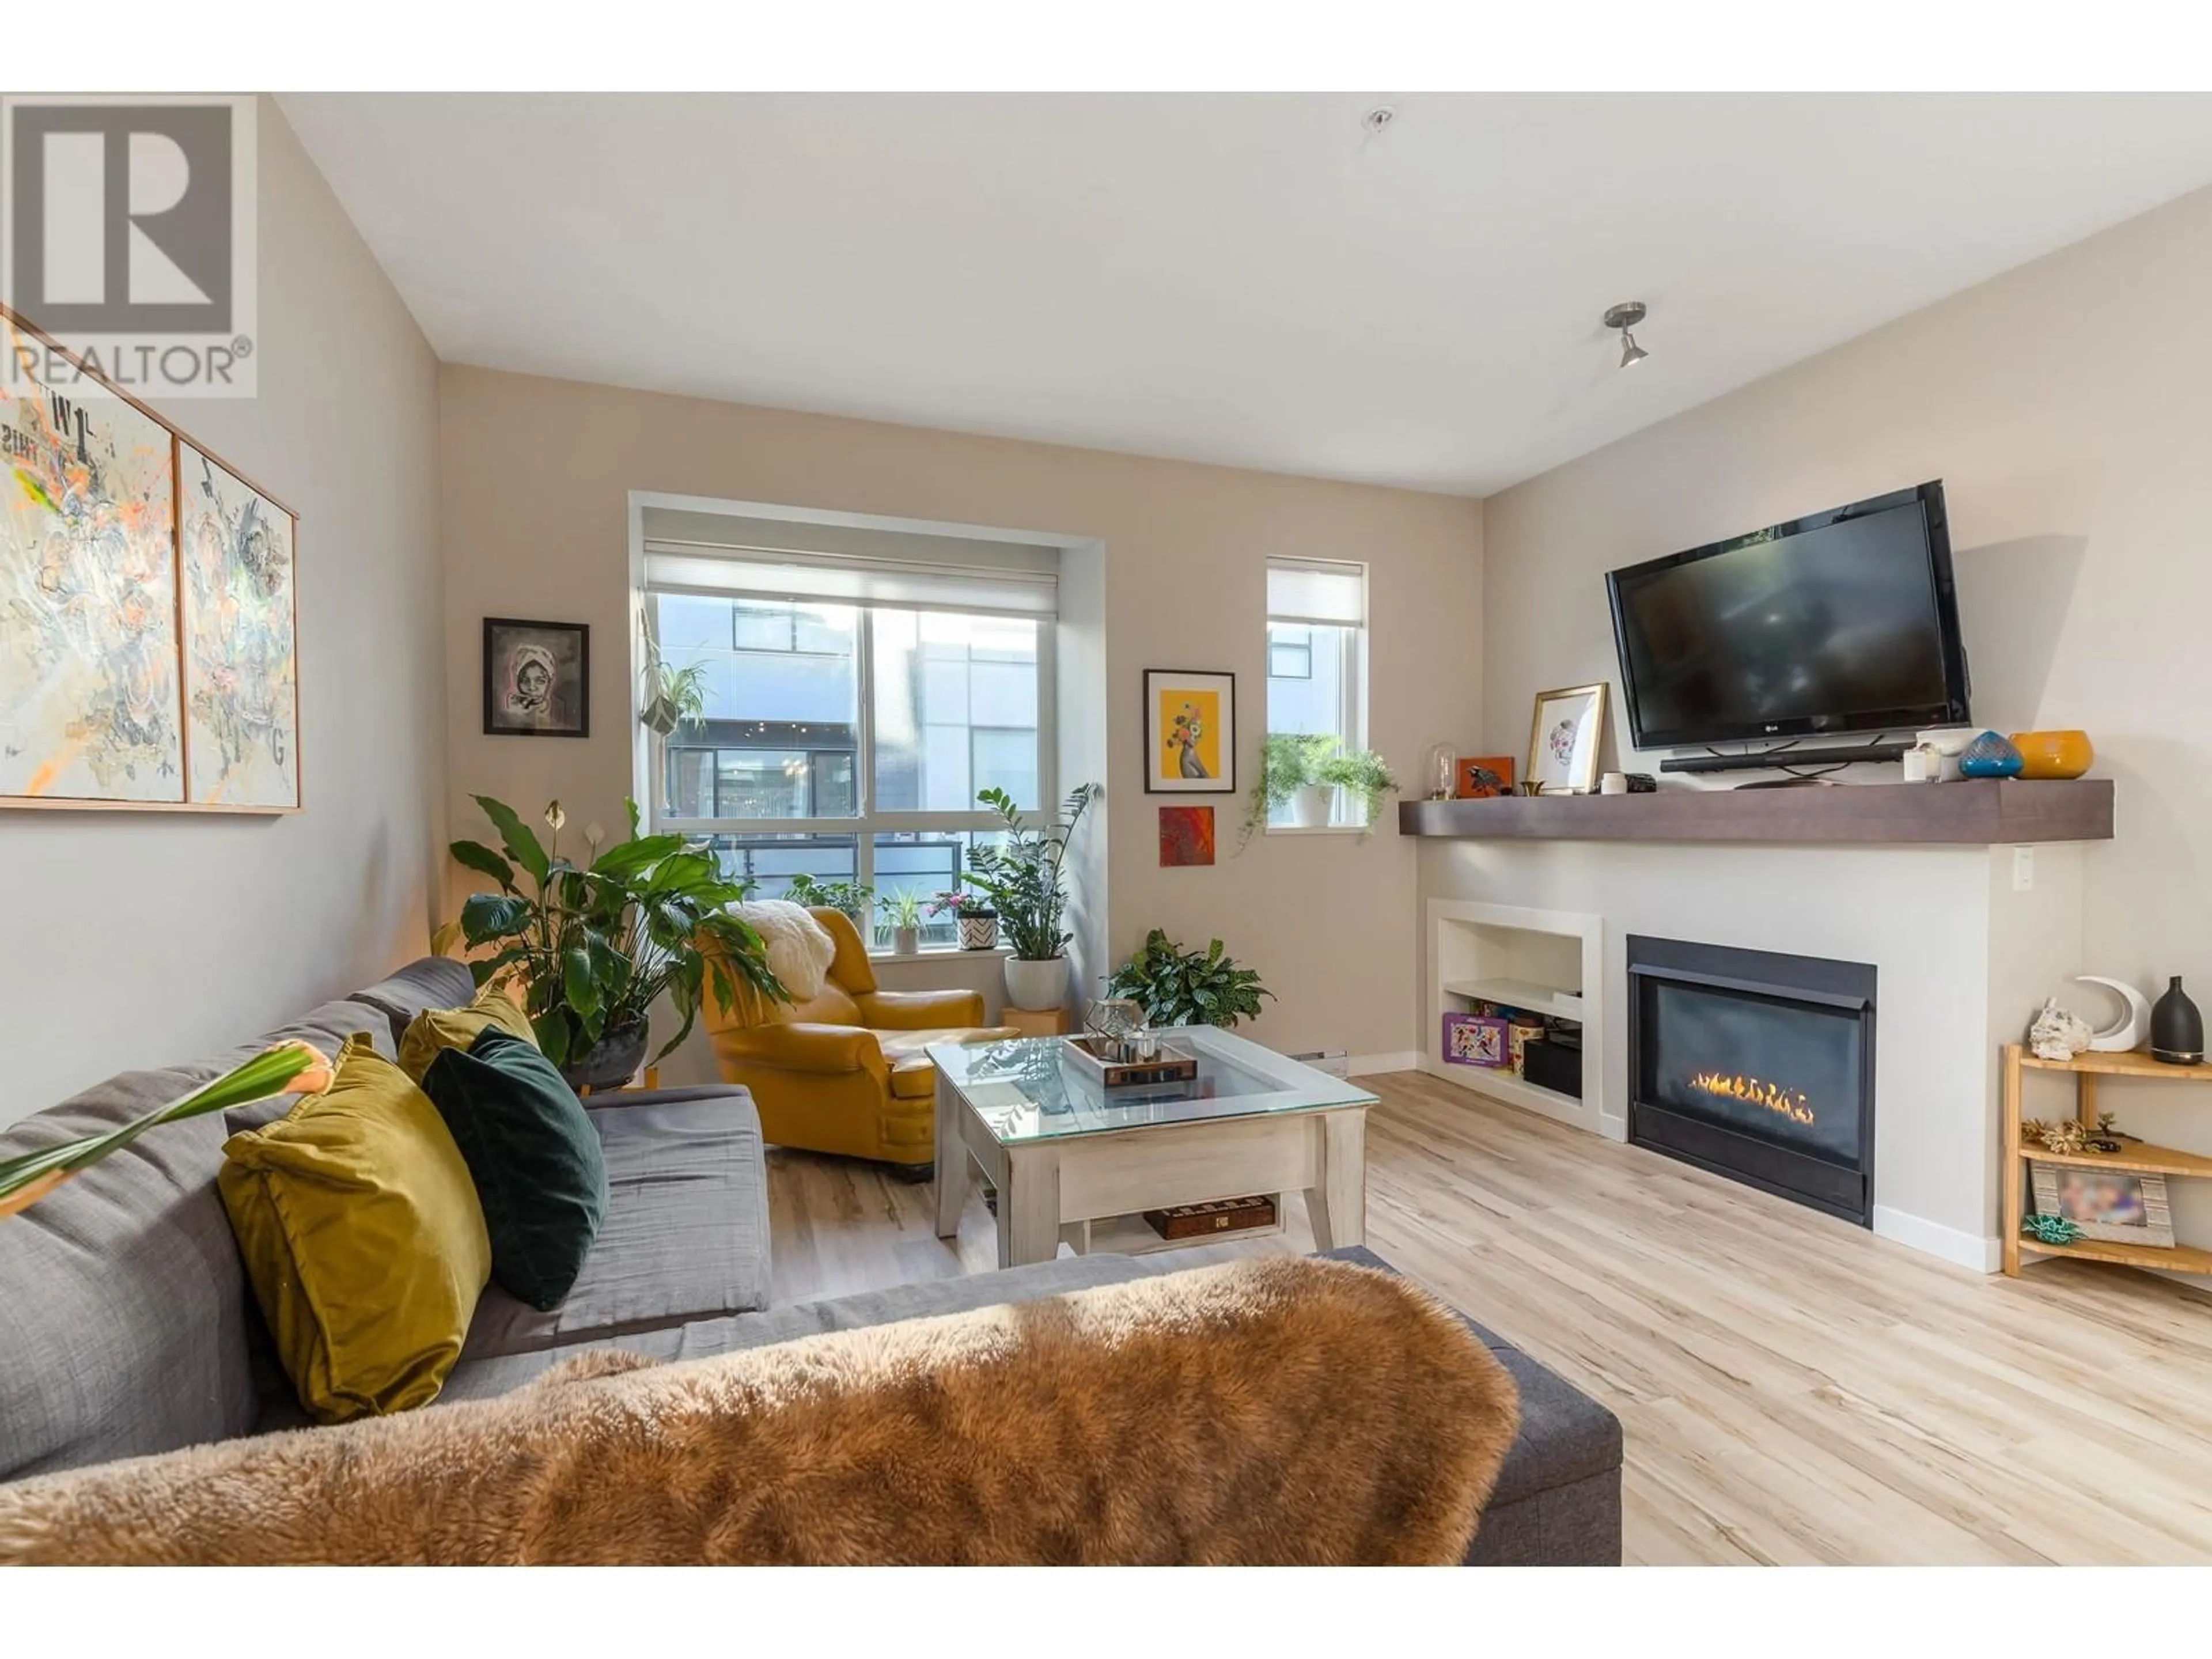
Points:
594	945
1025	878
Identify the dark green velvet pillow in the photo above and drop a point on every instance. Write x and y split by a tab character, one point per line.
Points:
534	1157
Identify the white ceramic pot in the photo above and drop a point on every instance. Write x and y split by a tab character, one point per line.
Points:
906	941
1037	986
1309	803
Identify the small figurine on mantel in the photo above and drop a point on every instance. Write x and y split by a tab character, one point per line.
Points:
2058	1034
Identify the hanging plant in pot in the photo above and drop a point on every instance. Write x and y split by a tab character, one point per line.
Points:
593	946
1023	878
667	696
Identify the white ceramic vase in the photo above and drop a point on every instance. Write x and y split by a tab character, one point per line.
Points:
906	941
1037	986
1309	803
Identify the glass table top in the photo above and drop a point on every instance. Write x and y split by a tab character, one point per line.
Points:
1031	1089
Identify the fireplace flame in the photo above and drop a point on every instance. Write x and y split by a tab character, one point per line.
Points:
1735	1085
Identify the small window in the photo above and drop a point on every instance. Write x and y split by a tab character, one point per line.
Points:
1317	655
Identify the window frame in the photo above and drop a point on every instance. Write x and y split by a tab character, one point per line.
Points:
870	821
1352	691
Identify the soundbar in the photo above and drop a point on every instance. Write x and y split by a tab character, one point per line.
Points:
1766	760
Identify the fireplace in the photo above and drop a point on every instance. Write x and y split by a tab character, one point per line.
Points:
1756	1066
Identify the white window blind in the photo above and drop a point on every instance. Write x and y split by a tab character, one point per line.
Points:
838	579
1316	591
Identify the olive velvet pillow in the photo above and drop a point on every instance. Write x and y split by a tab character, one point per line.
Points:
362	1238
535	1156
434	1030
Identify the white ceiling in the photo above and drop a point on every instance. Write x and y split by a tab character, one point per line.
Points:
1249	279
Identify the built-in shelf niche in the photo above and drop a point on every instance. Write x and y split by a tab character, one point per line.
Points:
1540	962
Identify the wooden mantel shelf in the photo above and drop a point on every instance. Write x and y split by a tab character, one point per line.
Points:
1982	812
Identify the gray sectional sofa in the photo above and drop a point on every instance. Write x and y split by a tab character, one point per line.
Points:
127	1326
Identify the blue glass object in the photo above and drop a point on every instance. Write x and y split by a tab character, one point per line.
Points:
1990	756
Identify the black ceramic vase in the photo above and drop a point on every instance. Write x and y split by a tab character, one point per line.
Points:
2177	1030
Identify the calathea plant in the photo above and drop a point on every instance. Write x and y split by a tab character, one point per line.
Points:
594	945
1176	987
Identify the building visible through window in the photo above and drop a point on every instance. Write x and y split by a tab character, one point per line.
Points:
847	741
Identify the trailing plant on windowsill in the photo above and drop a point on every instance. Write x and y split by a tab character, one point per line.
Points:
1362	774
1024	877
593	946
1176	987
853	898
1289	761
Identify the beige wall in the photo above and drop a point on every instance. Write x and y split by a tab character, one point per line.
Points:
535	475
138	939
2064	406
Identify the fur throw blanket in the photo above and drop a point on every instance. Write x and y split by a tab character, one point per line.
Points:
800	948
1275	1410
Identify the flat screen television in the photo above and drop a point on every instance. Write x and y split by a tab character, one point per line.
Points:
1845	621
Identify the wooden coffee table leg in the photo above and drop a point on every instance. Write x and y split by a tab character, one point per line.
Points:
1029	1206
952	1164
1337	1204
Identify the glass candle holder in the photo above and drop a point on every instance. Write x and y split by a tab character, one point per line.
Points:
1443	772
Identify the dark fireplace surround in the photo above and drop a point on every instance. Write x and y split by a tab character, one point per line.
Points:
1756	1066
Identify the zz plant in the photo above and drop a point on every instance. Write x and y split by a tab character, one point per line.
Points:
1022	875
1176	987
594	945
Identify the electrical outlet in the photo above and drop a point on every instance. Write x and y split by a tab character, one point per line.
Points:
2023	869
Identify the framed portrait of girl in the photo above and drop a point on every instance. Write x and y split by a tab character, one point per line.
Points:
537	679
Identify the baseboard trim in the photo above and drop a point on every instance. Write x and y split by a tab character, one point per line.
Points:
1405	1060
1984	1255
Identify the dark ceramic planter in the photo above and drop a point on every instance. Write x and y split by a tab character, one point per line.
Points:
611	1061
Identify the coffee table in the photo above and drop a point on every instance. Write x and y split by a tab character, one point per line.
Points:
1073	1161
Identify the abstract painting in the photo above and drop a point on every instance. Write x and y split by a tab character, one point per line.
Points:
89	708
241	674
1190	732
537	679
1186	835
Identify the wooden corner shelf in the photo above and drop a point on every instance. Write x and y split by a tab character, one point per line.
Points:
2137	1157
2182	1258
2133	1063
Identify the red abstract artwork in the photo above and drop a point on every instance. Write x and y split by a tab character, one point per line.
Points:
1186	835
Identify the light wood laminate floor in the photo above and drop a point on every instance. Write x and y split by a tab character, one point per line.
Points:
1793	1388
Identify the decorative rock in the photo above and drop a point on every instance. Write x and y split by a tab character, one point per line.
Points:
2056	1034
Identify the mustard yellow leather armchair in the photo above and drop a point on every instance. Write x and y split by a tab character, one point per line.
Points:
846	1072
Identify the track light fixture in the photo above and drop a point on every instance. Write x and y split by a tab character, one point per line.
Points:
1624	317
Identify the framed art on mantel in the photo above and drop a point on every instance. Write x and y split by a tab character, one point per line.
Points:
1564	736
148	618
1190	732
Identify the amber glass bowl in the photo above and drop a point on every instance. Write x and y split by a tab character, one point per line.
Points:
2054	754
